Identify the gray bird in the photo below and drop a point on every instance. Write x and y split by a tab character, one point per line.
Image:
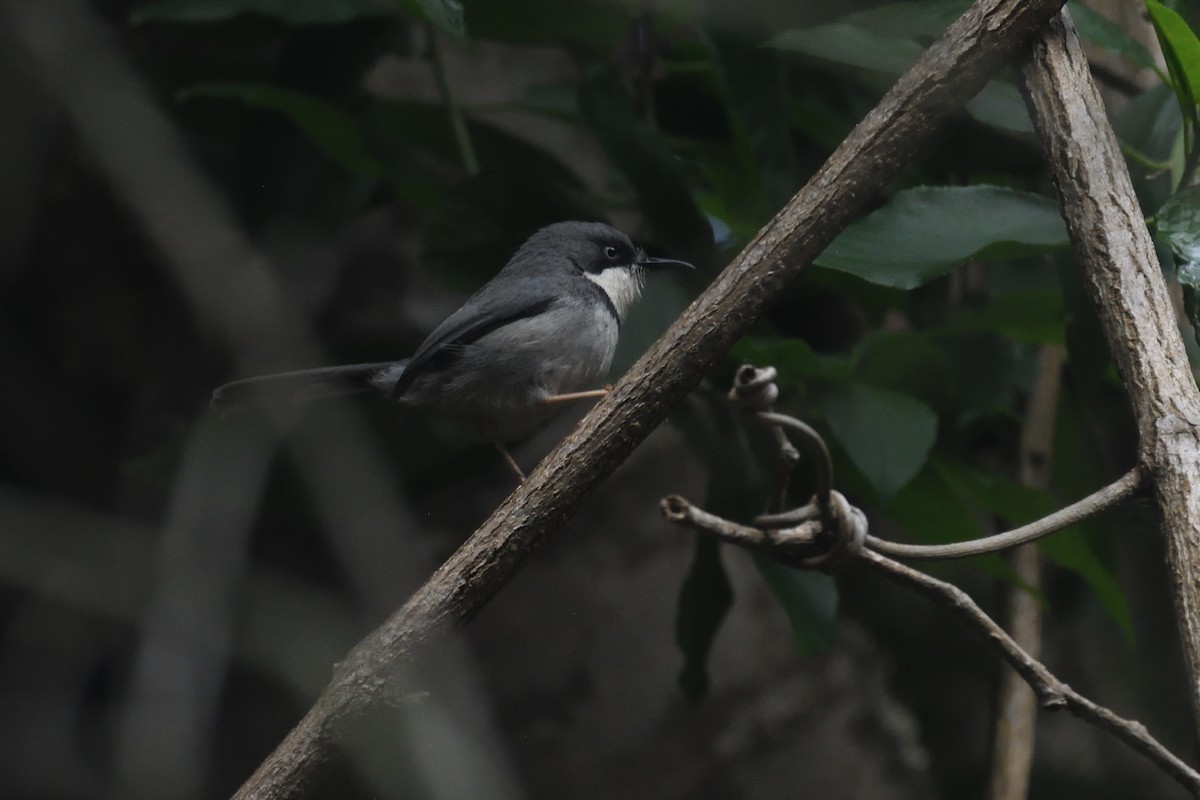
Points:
539	334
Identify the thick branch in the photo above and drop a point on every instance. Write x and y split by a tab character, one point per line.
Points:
1123	276
948	74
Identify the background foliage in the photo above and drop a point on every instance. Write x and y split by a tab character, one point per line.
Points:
382	151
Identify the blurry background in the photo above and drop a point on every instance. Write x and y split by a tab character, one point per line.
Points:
198	190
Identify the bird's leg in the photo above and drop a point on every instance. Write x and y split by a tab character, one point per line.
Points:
508	459
590	394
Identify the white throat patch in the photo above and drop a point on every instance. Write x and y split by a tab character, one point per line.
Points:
623	287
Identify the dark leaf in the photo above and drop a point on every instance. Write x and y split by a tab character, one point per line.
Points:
1017	504
845	43
1001	106
888	435
792	357
1033	317
915	19
1181	49
923	233
1101	31
755	93
330	128
589	25
909	362
810	600
295	12
880	40
640	154
445	15
704	601
1179	221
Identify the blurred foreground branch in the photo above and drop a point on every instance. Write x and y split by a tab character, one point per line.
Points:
1015	726
945	76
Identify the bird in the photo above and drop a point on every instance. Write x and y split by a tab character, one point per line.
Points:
538	335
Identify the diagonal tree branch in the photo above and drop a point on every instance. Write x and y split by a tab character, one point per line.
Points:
1121	269
947	75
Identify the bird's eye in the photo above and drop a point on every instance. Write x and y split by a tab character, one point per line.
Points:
611	253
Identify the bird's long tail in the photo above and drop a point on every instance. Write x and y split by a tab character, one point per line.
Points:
305	385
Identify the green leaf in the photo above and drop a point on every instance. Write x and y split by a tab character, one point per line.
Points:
597	26
931	511
985	372
294	12
1188	274
1181	49
909	362
1150	123
810	600
1032	317
1071	550
704	600
880	41
1018	504
923	233
754	89
886	434
716	434
330	128
1179	221
916	19
844	43
1105	33
445	15
1000	105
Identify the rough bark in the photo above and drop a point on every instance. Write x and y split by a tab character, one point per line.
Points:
1108	231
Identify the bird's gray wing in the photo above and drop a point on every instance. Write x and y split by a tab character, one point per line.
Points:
486	311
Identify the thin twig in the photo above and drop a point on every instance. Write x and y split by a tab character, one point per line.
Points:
678	510
1051	692
816	444
755	392
1066	516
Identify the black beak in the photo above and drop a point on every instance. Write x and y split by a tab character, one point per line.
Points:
647	261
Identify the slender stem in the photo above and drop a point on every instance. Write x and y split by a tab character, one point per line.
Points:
816	444
1063	518
1191	152
1133	154
458	123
